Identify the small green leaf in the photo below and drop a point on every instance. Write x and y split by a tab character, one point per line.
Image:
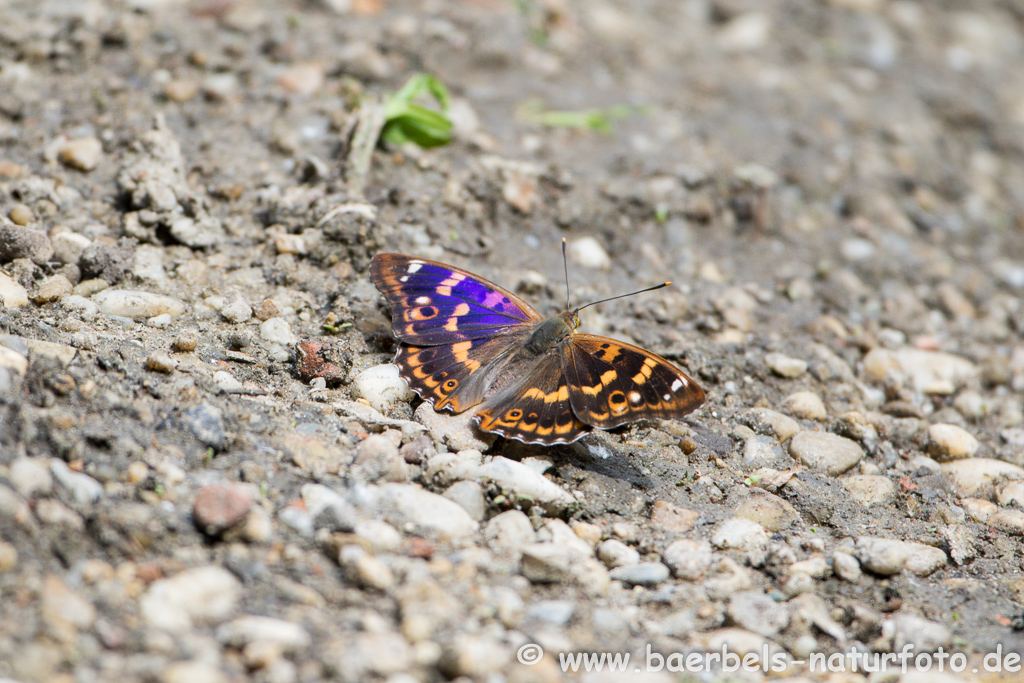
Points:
405	121
597	120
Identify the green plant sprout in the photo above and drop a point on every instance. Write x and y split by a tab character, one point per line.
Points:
405	121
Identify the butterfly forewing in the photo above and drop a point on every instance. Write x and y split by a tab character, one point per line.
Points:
433	303
535	410
611	383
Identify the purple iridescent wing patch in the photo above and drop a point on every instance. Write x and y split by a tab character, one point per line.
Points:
434	303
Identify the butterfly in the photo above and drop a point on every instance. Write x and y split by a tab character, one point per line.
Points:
469	344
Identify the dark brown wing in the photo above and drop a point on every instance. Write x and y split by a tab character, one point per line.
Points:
534	410
454	376
611	383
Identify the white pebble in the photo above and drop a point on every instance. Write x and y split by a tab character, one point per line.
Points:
226	382
382	387
237	312
278	331
785	366
137	305
589	253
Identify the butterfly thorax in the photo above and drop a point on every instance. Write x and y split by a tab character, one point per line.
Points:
550	333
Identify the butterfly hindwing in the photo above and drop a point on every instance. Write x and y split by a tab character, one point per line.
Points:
611	383
535	410
433	303
453	376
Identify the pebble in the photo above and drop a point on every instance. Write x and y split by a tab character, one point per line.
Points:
470	495
258	526
525	483
688	559
237	312
31	477
137	305
815	567
671	518
278	331
1007	494
329	509
785	366
509	532
297	519
81	154
887	556
761	450
185	341
474	656
1009	521
921	634
615	553
589	253
423	513
227	383
931	372
846	566
19	241
13	367
827	452
804	404
975	477
12	293
554	612
757	612
382	387
193	671
288	636
744	535
444	469
82	488
21	214
13	507
869	489
459	432
51	289
365	570
949	442
745	32
218	507
161	361
648	574
768	510
202	595
8	557
206	422
770	423
377	459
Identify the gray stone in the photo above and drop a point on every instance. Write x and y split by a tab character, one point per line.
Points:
827	452
525	483
82	488
757	612
202	595
644	574
469	495
615	553
688	559
744	535
424	513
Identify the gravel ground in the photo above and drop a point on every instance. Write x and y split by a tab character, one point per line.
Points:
209	472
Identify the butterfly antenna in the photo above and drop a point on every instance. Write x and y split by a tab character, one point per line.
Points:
565	265
620	296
